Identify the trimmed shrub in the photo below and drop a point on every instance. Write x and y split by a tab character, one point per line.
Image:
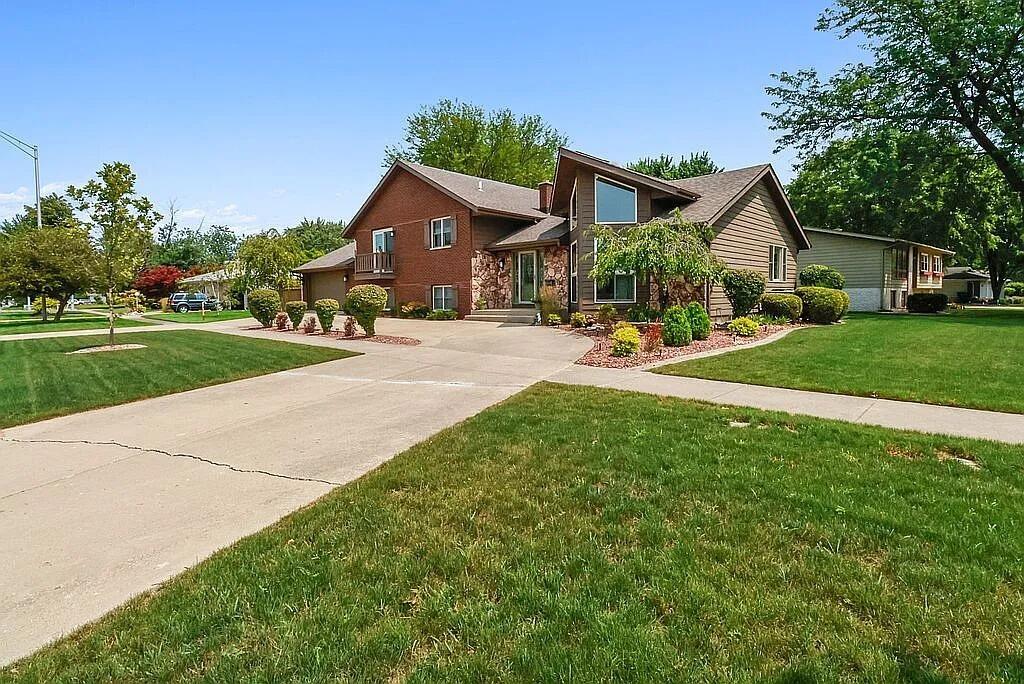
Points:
743	326
554	319
651	341
264	305
606	313
641	313
817	275
743	288
348	328
700	322
281	320
927	302
625	340
442	315
675	327
823	305
365	303
309	325
296	312
413	310
326	310
787	306
578	319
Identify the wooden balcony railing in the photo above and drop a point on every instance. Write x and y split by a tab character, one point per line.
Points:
382	263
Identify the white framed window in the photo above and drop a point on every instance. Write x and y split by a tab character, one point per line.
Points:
574	272
572	208
614	202
925	263
778	263
619	289
443	297
384	240
441	232
937	264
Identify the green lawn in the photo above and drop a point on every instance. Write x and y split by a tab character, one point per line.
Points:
583	534
197	316
40	380
16	325
970	359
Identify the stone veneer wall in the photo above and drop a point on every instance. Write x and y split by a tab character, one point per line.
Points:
680	291
556	267
492	282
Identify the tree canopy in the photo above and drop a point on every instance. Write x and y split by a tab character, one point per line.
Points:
500	145
318	236
56	210
663	249
267	259
665	166
946	66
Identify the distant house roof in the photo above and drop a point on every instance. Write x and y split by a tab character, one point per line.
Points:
338	259
878	238
964	273
219	276
548	230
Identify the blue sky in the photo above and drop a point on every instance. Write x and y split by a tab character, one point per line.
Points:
256	114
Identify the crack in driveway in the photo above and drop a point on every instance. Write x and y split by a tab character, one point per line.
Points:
153	450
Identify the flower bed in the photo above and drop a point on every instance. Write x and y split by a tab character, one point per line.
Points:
600	354
380	339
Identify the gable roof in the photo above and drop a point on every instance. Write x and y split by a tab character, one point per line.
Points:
878	238
339	258
964	273
480	195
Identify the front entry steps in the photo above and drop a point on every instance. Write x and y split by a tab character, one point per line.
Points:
514	316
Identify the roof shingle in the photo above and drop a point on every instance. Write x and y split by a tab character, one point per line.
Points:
485	194
717	191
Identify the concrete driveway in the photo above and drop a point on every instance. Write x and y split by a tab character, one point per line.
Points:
99	506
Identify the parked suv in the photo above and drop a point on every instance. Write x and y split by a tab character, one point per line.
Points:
183	302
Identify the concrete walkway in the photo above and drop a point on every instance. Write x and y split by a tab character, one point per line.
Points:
98	506
946	420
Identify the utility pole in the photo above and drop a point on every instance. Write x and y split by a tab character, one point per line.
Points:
32	151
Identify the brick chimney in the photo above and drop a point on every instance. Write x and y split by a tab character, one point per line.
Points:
545	190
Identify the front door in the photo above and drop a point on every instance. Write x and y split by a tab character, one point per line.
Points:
526	280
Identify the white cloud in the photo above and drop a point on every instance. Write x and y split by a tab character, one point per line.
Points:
228	215
11	203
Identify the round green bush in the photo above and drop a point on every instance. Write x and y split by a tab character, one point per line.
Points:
326	310
927	302
296	312
782	306
625	340
365	303
700	322
743	288
578	319
442	315
823	304
817	275
264	305
743	326
675	327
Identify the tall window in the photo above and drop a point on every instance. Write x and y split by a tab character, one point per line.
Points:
925	263
778	267
619	288
900	262
572	208
441	232
937	264
614	202
574	273
443	296
390	306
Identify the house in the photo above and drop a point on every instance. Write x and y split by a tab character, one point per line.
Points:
486	248
881	272
964	284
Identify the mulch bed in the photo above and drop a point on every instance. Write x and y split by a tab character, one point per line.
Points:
601	353
381	339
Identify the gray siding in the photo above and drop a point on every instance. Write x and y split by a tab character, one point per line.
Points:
860	260
743	237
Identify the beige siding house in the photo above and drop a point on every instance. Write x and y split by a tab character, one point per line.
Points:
881	272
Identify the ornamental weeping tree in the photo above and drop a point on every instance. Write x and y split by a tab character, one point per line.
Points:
122	224
663	249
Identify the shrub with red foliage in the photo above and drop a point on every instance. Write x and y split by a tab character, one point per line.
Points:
651	341
158	281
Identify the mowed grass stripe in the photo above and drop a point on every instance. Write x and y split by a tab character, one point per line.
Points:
584	534
41	380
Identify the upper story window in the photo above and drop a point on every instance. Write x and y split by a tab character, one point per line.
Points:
778	267
572	208
937	264
441	232
613	202
925	262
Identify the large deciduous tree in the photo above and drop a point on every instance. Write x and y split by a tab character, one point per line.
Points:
665	166
664	249
953	66
499	145
158	281
54	262
123	223
318	236
266	260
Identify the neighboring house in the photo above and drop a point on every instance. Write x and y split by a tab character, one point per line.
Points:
460	242
329	276
881	272
214	283
964	284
